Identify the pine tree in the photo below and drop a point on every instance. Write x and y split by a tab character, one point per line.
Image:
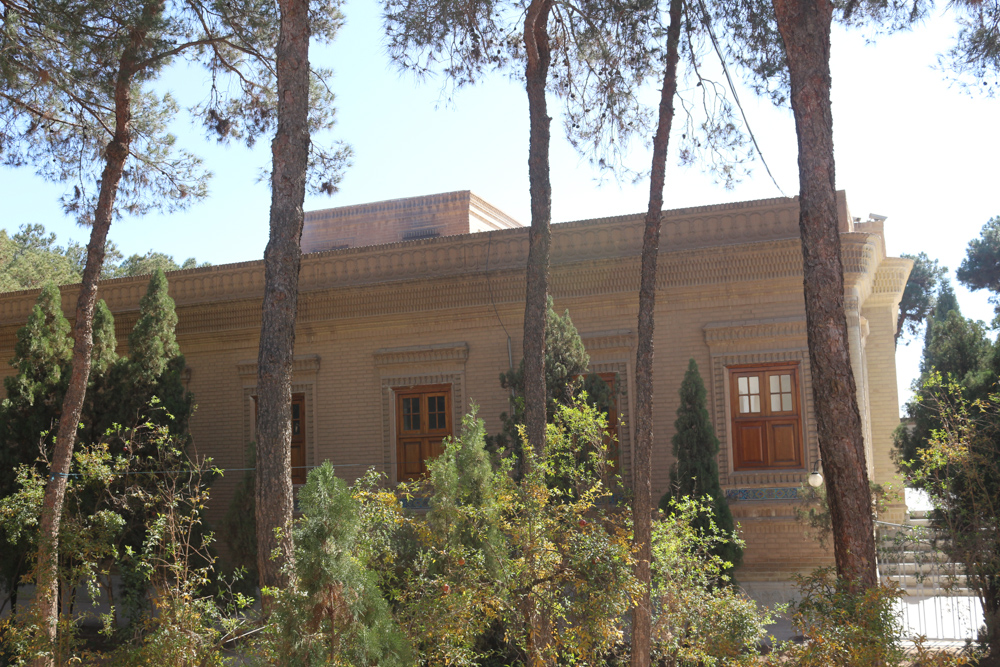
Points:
696	471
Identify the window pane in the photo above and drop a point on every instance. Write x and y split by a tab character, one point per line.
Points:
435	412
295	410
775	384
786	402
754	386
744	404
411	414
742	383
786	383
755	403
775	402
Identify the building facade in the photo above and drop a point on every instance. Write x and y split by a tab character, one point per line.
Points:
410	309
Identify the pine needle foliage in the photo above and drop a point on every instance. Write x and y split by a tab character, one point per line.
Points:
334	613
695	473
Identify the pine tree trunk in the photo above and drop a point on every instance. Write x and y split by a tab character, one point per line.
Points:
642	500
282	259
536	42
46	604
805	30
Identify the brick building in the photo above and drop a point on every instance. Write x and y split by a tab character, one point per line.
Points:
409	310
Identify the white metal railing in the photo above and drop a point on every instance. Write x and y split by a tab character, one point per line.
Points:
936	602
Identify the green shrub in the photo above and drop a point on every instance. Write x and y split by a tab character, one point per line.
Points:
698	618
843	626
333	612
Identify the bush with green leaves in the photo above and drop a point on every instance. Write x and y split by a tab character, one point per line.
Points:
844	626
506	568
181	619
566	363
698	618
959	468
193	613
89	535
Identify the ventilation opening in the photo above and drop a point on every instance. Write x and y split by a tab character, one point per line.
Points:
425	233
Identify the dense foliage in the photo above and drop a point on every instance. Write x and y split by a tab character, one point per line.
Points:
951	446
30	258
566	375
695	473
119	400
981	267
917	301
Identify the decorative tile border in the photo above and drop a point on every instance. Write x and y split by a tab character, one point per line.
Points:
773	493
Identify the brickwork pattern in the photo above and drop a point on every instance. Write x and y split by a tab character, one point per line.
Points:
448	310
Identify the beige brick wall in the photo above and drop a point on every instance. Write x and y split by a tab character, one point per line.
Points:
729	291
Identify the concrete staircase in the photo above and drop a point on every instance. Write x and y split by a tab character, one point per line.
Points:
909	557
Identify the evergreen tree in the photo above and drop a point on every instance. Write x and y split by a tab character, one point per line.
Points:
918	300
566	362
152	343
123	395
695	473
34	397
955	347
104	355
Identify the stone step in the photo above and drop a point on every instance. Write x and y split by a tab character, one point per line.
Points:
919	567
928	582
912	554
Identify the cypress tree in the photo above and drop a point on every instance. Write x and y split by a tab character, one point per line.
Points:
34	397
154	367
100	387
152	343
696	472
104	355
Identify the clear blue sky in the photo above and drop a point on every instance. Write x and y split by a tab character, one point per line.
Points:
908	145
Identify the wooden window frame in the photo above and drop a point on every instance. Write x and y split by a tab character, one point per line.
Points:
298	444
418	443
768	439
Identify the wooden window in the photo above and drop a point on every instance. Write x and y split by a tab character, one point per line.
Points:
767	418
298	437
423	420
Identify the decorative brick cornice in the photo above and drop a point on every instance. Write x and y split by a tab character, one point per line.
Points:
890	281
621	340
700	246
301	364
754	333
487	211
417	354
402	204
